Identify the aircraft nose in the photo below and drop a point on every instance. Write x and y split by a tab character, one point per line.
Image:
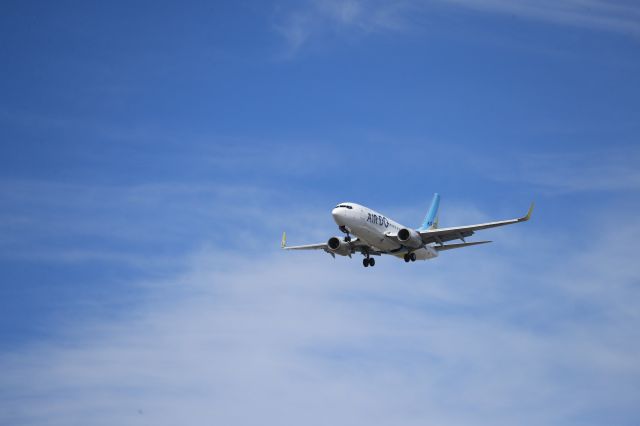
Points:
338	215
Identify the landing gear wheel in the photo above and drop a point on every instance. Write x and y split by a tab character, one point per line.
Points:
413	257
365	262
407	257
372	262
347	238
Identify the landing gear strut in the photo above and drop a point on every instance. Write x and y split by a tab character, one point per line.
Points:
346	231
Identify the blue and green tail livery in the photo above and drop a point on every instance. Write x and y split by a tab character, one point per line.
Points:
431	219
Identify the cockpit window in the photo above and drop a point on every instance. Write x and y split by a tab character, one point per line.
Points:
343	206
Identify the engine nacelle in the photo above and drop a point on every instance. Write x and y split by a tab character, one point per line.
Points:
410	238
338	246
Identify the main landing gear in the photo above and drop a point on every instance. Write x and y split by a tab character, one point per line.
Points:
368	261
410	257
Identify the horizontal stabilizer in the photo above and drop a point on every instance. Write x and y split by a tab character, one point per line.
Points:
461	245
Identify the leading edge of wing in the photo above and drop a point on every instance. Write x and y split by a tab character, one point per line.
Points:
476	227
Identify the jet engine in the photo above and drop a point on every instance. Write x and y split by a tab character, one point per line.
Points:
338	246
410	238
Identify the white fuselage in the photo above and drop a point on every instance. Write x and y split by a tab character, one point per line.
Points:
373	228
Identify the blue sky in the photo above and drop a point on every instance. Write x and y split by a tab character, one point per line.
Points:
151	155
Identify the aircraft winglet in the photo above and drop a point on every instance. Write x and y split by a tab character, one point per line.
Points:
284	240
528	215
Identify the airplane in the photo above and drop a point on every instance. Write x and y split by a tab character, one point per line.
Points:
376	234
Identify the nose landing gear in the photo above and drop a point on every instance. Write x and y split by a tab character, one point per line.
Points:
346	231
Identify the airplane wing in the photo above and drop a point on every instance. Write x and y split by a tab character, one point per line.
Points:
355	244
321	246
442	235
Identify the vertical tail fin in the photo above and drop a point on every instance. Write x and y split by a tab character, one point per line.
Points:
430	220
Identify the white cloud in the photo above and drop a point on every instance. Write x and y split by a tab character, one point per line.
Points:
471	338
617	16
319	18
302	23
572	172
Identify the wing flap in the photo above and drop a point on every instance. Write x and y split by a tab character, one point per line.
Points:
461	245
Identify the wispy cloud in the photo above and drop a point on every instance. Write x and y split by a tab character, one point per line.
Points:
572	172
302	23
617	16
